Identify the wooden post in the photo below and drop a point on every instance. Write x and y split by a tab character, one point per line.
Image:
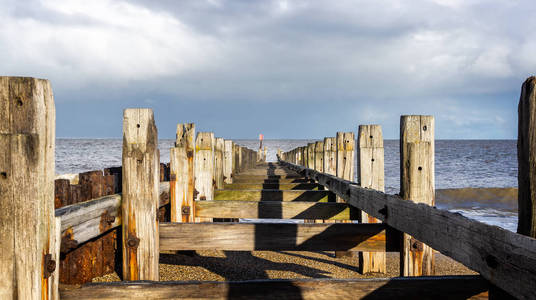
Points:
417	184
526	154
228	162
370	169
330	157
311	155
219	148
319	156
204	168
345	168
27	224
181	183
141	167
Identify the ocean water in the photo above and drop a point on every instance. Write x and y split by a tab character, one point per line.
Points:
473	177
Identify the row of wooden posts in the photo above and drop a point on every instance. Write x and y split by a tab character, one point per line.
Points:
32	231
335	156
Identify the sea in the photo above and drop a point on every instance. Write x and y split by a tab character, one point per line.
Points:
476	178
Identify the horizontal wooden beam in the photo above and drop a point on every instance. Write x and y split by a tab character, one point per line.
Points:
267	176
452	287
272	210
273	186
277	236
505	258
83	221
274	195
273	180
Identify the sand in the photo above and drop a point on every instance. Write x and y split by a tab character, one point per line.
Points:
231	265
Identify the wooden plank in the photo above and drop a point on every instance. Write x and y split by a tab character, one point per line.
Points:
272	210
276	236
27	225
272	186
84	221
370	170
228	162
451	287
274	195
505	258
526	156
204	168
345	166
182	174
219	148
417	184
140	195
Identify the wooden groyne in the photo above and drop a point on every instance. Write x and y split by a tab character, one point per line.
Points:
122	218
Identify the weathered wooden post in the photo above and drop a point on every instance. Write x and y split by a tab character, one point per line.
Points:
345	168
319	156
204	168
417	184
27	225
526	154
330	158
228	162
182	174
219	148
311	155
370	169
141	179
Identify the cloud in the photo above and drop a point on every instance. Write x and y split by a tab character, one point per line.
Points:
381	57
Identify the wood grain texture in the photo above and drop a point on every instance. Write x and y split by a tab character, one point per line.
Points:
319	156
274	195
526	156
330	156
505	258
27	225
204	167
141	178
311	155
370	170
182	170
276	236
228	162
417	184
273	186
219	148
452	287
272	210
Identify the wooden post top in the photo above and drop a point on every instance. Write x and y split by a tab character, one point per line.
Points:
416	128
330	144
319	146
370	136
185	136
345	141
139	128
204	141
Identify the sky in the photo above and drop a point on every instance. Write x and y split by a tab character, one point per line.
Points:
287	69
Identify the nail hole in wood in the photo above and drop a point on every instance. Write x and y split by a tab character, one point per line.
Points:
420	168
138	125
19	102
372	159
424	128
371	136
3	175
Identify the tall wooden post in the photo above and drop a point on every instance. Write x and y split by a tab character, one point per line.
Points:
182	178
219	148
319	156
311	155
345	168
417	184
526	154
27	224
204	168
330	158
141	179
228	162
370	169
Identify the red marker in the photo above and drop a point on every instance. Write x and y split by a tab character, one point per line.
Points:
261	137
